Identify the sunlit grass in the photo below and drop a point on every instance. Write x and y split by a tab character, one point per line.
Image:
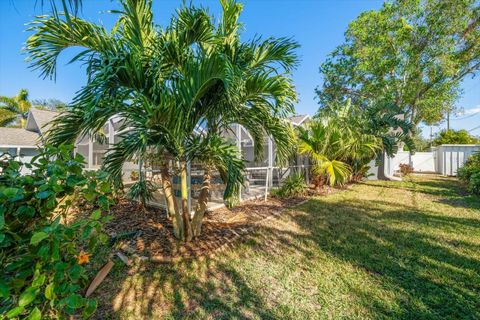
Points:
406	250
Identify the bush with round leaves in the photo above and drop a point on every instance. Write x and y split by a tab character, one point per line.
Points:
470	173
42	257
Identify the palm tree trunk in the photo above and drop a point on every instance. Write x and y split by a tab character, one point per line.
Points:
202	203
172	206
185	212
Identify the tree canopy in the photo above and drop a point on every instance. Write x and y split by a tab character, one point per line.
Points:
411	55
455	137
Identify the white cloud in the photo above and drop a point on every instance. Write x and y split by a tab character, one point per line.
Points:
472	110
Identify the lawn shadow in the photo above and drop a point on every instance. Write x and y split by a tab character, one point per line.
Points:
198	289
430	274
435	281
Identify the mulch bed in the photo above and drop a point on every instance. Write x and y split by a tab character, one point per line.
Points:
148	233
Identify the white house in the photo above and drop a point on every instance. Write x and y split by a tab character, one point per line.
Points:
23	143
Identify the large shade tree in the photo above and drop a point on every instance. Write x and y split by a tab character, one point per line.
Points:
177	89
410	55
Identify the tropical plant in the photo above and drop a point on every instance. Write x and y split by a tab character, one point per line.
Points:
42	258
294	185
470	173
421	144
169	84
324	147
14	110
455	137
340	143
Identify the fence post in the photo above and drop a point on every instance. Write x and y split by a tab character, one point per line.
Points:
270	162
111	133
189	186
266	185
90	153
238	133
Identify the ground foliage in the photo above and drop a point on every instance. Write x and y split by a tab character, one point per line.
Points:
470	173
42	258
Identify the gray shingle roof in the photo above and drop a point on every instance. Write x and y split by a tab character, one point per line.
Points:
17	137
298	119
43	118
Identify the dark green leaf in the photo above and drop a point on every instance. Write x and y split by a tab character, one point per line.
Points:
75	301
44	194
90	308
3	289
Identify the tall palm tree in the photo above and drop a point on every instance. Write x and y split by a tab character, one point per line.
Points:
14	110
167	82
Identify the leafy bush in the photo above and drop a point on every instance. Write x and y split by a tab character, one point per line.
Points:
455	137
470	173
405	169
293	186
42	257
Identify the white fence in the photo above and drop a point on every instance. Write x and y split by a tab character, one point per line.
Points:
445	160
451	157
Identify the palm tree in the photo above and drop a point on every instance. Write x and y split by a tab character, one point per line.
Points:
340	144
167	82
360	144
324	146
14	110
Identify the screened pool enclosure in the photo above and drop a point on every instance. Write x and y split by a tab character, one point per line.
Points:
260	176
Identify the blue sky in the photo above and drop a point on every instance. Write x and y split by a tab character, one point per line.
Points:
318	25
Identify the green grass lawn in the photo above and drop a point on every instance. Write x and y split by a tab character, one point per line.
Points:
408	250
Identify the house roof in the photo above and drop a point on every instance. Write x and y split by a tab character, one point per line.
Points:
39	120
298	119
16	137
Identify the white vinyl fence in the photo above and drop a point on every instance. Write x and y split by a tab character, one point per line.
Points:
445	159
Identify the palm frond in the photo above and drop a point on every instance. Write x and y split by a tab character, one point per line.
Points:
52	35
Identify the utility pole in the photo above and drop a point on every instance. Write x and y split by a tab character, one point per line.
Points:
448	120
431	136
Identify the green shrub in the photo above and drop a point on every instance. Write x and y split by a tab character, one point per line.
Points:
474	183
293	186
41	257
470	173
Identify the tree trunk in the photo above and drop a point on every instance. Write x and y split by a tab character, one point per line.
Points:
201	206
172	206
381	175
185	212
